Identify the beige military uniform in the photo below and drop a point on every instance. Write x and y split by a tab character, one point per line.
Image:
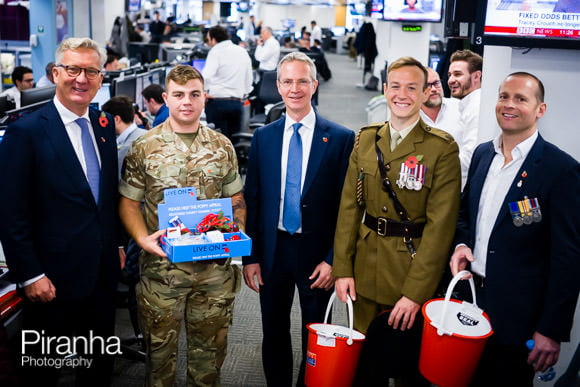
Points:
382	266
203	291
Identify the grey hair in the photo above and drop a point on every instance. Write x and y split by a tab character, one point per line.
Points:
76	43
298	56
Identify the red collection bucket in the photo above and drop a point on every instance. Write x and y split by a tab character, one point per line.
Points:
454	336
333	351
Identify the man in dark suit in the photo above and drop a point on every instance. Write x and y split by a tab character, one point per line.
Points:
518	231
58	218
295	175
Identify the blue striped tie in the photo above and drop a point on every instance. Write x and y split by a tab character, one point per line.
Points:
292	216
91	160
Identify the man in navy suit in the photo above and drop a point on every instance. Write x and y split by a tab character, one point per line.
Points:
59	219
292	194
519	231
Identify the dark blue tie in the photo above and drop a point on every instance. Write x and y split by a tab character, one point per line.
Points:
91	160
292	216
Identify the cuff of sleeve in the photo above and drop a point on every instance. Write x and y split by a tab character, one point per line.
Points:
131	192
31	281
232	188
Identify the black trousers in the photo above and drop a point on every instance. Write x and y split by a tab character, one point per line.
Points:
225	114
291	270
71	318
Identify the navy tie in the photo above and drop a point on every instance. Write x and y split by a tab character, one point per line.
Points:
292	216
91	160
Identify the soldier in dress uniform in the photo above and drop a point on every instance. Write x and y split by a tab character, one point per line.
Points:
398	208
181	152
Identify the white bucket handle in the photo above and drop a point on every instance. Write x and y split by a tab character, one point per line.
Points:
350	317
441	328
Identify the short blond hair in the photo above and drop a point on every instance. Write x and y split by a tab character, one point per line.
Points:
298	56
75	44
406	61
181	74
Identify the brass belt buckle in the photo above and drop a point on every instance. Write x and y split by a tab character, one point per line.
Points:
382	226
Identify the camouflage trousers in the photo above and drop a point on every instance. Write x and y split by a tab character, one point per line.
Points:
201	293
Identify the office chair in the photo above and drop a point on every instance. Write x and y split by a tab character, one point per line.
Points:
267	94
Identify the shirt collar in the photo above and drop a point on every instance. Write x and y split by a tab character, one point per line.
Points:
463	102
126	133
521	150
308	122
405	131
66	115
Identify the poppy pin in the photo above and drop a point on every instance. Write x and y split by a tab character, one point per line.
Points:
325	139
412	161
103	121
524	174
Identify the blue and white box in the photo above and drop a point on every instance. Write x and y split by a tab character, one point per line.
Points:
182	202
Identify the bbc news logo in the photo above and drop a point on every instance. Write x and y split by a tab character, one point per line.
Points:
63	351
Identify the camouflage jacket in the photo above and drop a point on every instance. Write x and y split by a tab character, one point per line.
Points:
160	159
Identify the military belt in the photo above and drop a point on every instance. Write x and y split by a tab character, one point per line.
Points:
390	227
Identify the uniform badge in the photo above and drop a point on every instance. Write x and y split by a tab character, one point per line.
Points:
412	174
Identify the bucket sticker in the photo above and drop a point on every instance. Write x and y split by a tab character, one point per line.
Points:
325	341
310	359
467	320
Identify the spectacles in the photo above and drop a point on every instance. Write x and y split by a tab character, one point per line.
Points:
75	71
287	83
433	84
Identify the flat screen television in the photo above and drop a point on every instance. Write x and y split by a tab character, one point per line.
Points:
414	10
548	23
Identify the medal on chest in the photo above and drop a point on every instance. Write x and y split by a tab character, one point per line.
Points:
412	174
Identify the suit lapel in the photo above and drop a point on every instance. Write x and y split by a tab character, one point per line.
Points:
273	160
58	137
529	182
321	140
477	181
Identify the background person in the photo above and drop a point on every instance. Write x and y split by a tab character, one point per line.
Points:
153	99
23	79
437	111
46	79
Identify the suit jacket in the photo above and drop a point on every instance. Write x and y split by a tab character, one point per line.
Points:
331	146
49	220
532	271
382	267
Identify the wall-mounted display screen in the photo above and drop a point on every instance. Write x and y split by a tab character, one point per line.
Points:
413	10
532	23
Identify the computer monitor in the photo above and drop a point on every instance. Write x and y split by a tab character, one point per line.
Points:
125	86
5	105
142	81
198	64
158	76
15	114
37	94
103	95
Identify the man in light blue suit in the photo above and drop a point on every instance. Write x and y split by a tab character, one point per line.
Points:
518	231
295	175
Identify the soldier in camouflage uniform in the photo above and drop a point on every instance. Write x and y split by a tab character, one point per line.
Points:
179	153
386	257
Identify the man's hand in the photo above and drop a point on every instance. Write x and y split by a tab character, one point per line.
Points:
252	271
122	257
344	286
461	256
40	291
325	279
545	353
404	313
151	244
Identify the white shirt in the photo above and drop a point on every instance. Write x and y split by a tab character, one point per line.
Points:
44	81
228	71
316	34
124	141
497	184
268	54
13	94
448	117
306	133
466	137
74	134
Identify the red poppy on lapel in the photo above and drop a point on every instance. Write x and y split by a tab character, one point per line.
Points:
103	121
325	139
